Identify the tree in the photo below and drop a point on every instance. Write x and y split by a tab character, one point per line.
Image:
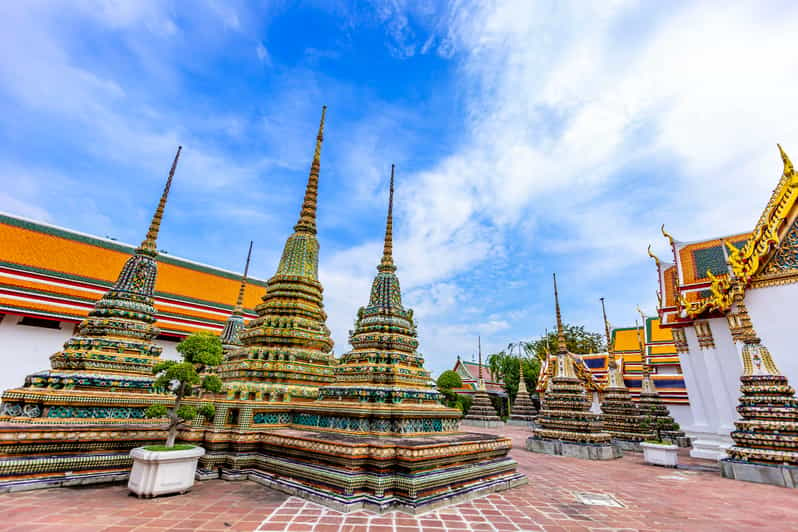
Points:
577	339
449	379
447	382
199	351
505	365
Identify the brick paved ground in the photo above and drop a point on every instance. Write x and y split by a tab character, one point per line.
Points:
652	498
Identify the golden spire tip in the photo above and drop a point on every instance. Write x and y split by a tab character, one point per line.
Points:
149	244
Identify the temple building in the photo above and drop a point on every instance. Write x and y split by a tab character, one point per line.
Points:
696	294
50	278
469	374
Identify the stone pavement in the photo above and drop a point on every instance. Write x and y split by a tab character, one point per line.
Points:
648	498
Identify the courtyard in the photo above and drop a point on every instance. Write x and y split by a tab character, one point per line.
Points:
627	495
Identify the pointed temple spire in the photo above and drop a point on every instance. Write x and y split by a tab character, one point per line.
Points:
149	245
241	289
386	264
788	168
479	350
521	381
561	346
307	216
610	350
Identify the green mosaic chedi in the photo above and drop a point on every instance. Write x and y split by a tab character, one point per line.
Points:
286	351
113	348
383	374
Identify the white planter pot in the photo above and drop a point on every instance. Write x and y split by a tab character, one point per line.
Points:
660	454
160	472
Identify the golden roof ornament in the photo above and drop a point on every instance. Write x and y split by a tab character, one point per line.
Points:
386	264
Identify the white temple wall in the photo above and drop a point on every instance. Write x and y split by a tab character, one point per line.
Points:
712	379
26	349
682	414
773	312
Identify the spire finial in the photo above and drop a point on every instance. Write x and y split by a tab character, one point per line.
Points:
149	244
386	264
240	301
481	382
651	254
307	216
788	168
610	350
561	346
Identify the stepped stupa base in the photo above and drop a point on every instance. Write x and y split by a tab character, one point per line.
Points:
785	476
52	455
350	472
585	451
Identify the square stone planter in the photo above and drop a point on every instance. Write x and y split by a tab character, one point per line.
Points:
161	472
661	454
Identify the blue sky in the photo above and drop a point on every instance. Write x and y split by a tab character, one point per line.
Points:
529	137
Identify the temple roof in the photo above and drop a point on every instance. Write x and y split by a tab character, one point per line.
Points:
51	271
701	284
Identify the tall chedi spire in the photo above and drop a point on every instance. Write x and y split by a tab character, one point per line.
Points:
120	325
567	426
482	412
80	419
286	349
767	435
235	322
619	414
650	405
381	386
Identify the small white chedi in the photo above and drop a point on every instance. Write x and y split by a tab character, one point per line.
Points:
161	472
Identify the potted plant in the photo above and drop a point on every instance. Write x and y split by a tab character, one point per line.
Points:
659	452
169	468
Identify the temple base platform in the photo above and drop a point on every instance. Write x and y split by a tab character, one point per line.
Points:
627	445
349	472
523	423
785	476
482	423
585	451
50	455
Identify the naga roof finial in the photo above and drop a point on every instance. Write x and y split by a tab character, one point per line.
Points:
788	168
561	345
240	301
307	216
667	235
386	264
656	259
149	244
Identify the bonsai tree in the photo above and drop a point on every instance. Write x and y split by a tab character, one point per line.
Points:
657	425
199	351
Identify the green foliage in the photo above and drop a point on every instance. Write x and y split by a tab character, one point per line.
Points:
178	447
507	368
201	348
186	412
212	383
156	411
463	403
577	339
199	351
449	379
207	411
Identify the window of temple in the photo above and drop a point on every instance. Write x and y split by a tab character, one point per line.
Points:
39	322
232	416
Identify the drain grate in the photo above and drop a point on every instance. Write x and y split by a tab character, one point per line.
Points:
598	499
